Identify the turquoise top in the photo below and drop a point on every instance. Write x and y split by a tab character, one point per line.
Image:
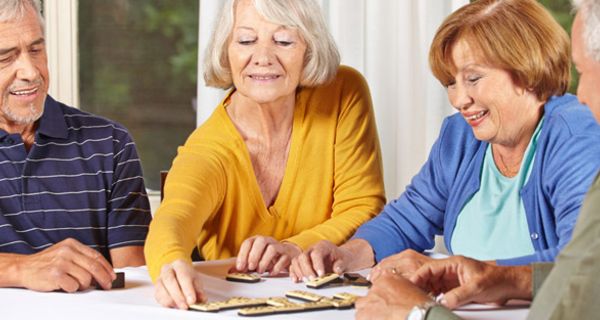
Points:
492	225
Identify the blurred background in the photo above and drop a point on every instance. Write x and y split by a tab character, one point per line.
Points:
136	62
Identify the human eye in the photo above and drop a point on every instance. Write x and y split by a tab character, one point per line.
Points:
245	39
246	42
283	42
450	85
6	59
36	50
472	79
284	38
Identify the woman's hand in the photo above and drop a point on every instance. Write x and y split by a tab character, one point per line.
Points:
323	257
404	263
265	254
179	285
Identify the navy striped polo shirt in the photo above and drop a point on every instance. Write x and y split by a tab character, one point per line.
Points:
81	179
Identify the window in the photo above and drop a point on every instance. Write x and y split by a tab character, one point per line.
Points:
138	66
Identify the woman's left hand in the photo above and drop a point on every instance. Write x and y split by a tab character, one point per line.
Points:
265	254
404	263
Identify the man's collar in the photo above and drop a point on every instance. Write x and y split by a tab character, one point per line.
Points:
52	123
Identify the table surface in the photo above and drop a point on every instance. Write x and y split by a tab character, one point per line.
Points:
136	300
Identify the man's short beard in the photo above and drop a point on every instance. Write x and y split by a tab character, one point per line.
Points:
32	116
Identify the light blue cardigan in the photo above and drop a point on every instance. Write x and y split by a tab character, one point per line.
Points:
566	161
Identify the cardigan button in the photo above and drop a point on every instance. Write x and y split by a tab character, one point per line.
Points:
534	236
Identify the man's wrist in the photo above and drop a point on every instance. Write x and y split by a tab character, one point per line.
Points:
520	280
12	267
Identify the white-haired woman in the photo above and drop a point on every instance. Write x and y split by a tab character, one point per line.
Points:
290	156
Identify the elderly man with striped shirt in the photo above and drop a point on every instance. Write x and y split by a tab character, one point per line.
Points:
72	197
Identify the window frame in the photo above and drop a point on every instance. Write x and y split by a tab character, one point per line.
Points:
61	47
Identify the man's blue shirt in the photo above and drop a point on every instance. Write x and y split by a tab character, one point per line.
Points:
81	179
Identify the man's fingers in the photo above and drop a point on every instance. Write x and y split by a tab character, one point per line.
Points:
67	283
81	275
96	269
458	296
95	256
71	252
375	273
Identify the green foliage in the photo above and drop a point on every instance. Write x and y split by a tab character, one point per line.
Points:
561	10
138	66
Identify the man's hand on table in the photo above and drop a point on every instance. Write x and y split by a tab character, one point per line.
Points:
68	265
179	285
391	297
464	280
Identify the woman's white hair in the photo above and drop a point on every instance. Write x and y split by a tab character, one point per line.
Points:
591	25
321	59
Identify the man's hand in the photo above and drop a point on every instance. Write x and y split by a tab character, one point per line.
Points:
464	280
68	265
404	263
391	297
178	285
265	254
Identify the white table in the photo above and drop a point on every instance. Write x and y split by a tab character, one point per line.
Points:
136	300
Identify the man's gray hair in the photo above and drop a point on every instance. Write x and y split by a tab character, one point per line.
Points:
11	10
591	25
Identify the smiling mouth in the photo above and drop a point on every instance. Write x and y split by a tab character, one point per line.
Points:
477	116
25	92
264	77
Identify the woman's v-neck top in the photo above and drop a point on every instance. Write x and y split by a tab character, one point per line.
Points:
333	180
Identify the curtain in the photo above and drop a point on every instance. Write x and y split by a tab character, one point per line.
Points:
388	42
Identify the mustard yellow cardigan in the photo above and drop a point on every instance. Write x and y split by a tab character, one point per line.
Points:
333	180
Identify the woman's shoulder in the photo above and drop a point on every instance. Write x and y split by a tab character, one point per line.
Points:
346	79
349	77
214	136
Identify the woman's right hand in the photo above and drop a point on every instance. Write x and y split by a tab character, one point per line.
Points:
179	285
323	257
